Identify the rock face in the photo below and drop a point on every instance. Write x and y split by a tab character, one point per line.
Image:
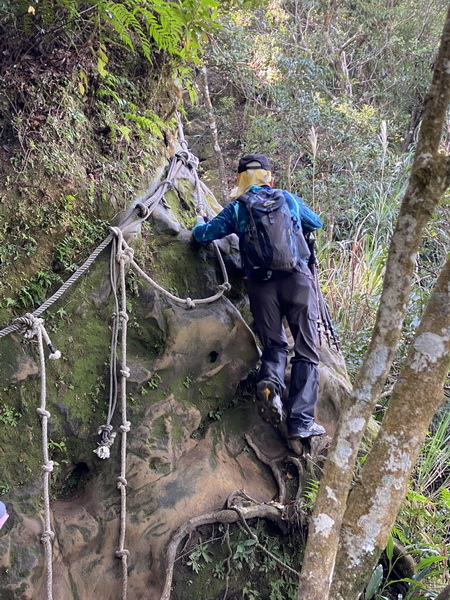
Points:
186	450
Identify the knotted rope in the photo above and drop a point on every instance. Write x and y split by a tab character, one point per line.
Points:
188	302
31	327
124	256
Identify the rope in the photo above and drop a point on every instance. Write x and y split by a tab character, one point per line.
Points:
105	431
143	209
188	302
74	277
31	327
124	255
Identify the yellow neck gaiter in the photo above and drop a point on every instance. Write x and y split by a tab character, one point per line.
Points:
251	177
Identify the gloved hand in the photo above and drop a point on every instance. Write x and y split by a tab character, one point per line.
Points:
201	219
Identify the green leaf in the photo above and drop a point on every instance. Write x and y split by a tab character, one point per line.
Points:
374	583
390	549
424	562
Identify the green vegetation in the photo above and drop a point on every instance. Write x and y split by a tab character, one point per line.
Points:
332	92
229	556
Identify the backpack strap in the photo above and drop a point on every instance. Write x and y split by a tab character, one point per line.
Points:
246	200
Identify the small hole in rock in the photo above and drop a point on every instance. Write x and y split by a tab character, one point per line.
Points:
213	356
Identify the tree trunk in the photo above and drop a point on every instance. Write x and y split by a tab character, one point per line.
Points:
375	501
429	180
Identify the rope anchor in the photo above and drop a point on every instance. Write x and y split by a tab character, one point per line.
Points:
30	325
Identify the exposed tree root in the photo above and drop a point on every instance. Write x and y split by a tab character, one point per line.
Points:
240	507
225	516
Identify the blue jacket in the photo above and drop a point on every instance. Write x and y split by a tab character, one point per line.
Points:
233	219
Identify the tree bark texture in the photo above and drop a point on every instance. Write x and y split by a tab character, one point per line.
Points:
429	179
375	501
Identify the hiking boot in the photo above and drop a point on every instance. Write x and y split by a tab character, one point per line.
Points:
308	431
270	406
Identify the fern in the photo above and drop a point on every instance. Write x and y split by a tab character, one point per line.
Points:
46	10
121	19
47	14
151	123
164	27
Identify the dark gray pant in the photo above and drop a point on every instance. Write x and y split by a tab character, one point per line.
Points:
291	295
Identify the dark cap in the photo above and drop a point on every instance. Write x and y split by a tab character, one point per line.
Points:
250	158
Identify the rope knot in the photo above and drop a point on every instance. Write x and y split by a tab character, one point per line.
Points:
123	316
48	466
29	325
183	156
121	482
125	428
193	162
168	182
225	286
125	255
125	372
190	303
43	413
142	210
121	553
105	432
47	536
107	440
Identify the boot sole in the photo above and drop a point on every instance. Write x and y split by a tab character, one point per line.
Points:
268	410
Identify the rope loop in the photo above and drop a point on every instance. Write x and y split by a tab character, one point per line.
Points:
48	466
142	210
188	159
125	372
125	428
190	303
183	155
169	183
116	231
121	482
224	286
121	553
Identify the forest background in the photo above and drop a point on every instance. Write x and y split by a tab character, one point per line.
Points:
332	91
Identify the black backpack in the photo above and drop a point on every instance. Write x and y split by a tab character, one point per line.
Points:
273	240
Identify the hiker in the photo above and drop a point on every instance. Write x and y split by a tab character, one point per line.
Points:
279	283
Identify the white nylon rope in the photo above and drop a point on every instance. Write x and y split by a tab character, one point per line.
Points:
31	327
124	255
